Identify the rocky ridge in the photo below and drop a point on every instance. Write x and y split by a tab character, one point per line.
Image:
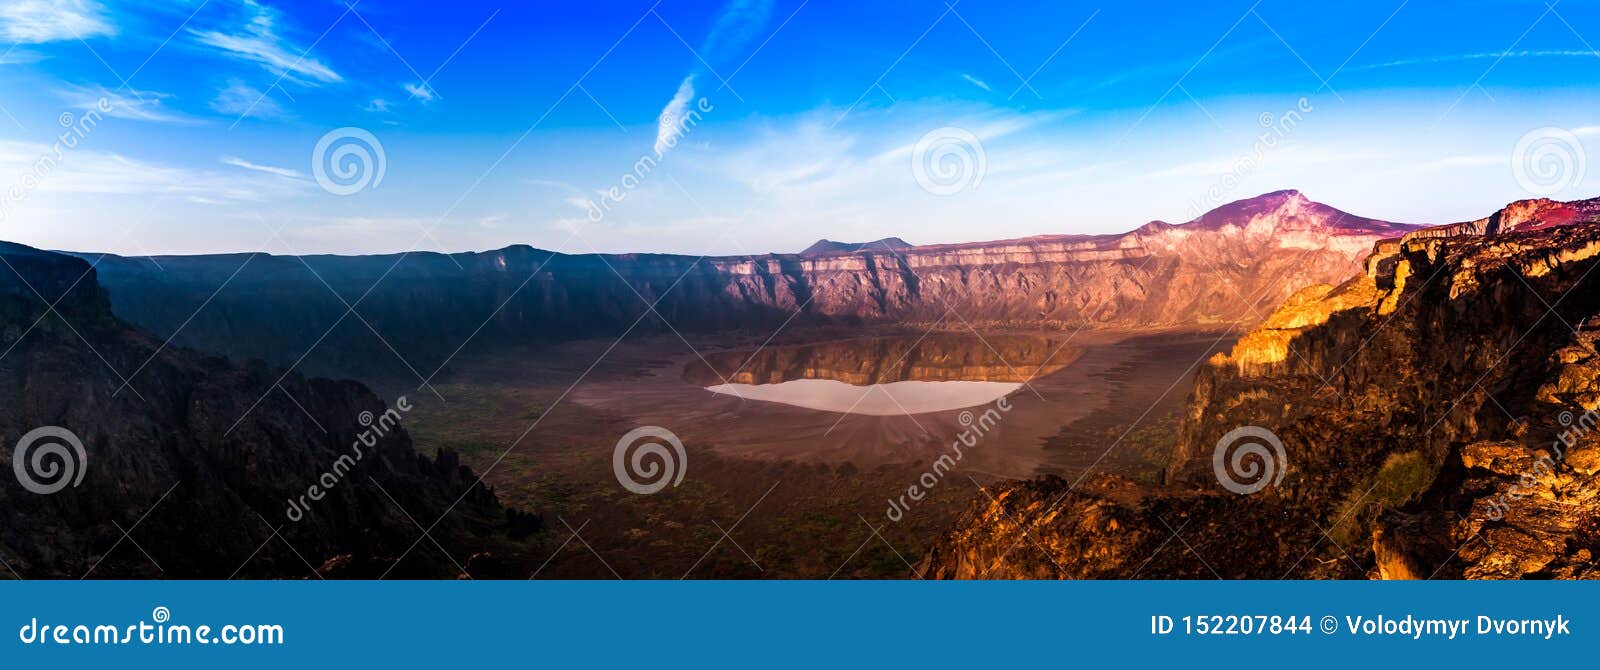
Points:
1215	269
1435	414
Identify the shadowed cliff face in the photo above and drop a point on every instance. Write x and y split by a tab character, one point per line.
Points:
412	313
169	459
1436	415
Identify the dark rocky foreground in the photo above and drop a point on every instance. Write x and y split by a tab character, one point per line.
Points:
201	491
1436	418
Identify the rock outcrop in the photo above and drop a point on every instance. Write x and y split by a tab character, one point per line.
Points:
1435	418
416	311
187	468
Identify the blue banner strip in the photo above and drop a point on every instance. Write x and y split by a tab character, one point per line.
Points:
793	624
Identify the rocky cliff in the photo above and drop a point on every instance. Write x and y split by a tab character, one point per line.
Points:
1431	417
999	357
415	311
187	470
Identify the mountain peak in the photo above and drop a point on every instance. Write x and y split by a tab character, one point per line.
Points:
826	247
1290	209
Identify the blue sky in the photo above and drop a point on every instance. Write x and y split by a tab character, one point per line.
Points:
508	122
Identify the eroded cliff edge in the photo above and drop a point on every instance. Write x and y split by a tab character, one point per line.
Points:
1436	416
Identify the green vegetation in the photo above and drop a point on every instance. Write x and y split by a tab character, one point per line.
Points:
1154	442
1402	477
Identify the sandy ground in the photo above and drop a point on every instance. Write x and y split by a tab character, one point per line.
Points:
800	493
1118	375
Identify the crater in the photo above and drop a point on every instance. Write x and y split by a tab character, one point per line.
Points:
885	376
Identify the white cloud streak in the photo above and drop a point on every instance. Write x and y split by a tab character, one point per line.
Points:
38	21
129	104
88	172
286	173
1487	55
20	57
419	90
258	42
738	22
667	129
242	100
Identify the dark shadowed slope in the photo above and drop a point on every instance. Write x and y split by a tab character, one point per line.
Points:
196	457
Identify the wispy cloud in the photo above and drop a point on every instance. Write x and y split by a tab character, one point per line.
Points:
1284	157
738	22
242	100
668	128
20	57
732	30
1465	162
129	104
1486	55
554	183
258	42
286	173
37	21
976	81
377	105
88	172
419	90
862	172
